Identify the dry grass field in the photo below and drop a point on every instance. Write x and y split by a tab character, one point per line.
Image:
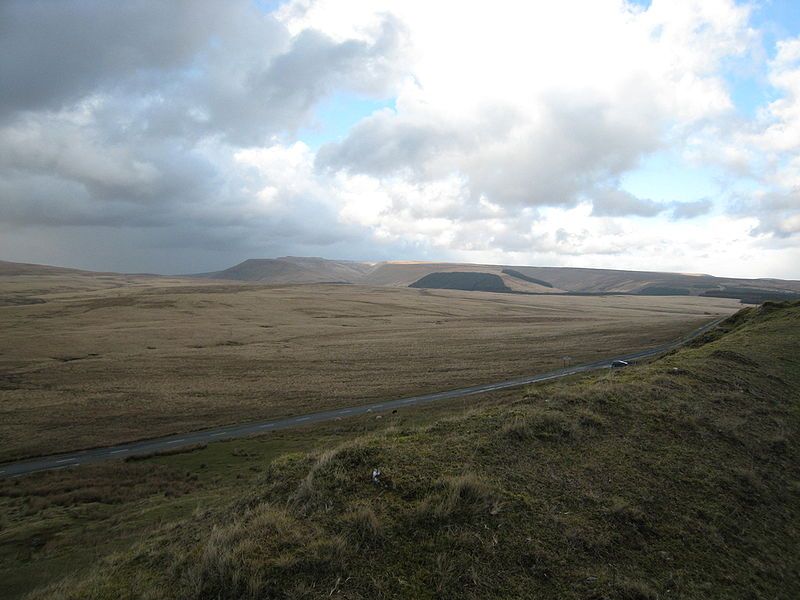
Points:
93	360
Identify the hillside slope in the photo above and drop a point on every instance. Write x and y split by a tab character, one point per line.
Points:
293	269
675	479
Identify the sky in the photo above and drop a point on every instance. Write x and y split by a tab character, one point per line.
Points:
187	136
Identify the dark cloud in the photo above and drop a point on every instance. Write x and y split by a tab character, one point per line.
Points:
128	115
54	53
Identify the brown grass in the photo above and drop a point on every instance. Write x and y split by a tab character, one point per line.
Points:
108	359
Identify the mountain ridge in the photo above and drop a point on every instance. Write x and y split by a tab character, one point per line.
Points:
517	278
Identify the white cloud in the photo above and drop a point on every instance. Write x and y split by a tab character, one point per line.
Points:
530	105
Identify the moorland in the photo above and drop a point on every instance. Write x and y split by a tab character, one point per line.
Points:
677	478
90	359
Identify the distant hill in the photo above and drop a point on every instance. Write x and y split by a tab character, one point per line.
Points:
294	269
518	279
512	278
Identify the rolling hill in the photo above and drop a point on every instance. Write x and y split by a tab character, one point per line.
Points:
513	278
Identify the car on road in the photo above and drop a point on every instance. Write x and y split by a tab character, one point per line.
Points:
616	364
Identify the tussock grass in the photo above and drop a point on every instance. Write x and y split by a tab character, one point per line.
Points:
363	526
347	465
246	558
459	497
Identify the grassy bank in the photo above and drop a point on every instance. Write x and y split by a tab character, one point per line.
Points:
675	479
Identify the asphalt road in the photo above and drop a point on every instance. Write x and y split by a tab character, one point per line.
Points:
94	455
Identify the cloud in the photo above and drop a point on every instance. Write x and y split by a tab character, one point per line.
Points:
778	212
131	116
56	52
533	117
691	210
172	128
619	203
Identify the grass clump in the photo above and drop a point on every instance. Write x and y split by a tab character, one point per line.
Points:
363	526
543	424
250	556
460	497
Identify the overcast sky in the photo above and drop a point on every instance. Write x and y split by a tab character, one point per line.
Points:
179	137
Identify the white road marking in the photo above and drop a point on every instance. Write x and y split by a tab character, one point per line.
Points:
218	433
63	460
177	441
266	426
303	419
118	451
61	468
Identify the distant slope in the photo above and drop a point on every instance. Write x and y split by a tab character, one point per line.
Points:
13	269
647	282
518	275
674	479
399	273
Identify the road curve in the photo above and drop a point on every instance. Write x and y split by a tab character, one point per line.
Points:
171	442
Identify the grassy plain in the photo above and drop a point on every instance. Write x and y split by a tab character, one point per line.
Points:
94	360
674	479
